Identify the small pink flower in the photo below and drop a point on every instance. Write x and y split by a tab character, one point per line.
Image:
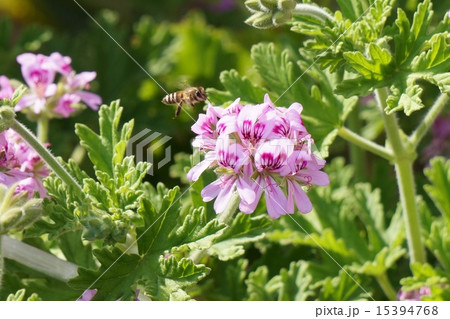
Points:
39	73
78	83
6	90
65	103
57	98
414	295
236	169
255	149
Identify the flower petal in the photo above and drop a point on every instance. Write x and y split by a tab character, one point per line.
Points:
224	196
258	187
301	199
245	190
313	177
276	201
211	191
198	169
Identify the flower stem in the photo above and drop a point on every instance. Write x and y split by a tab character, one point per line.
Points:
42	129
386	286
45	154
366	144
38	260
426	123
231	209
312	11
223	218
403	168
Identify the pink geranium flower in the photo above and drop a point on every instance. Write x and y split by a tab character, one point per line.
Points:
257	149
55	89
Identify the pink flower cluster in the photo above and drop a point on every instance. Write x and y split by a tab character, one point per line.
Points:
255	149
20	164
59	99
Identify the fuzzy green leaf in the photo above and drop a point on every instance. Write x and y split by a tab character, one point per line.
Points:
439	189
108	148
243	229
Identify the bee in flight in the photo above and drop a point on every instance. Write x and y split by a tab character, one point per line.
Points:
188	96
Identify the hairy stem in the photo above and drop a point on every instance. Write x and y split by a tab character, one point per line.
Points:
312	11
403	168
224	218
46	156
428	120
386	286
366	144
42	129
38	260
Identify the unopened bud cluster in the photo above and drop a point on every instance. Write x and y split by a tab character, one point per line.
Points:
17	211
269	13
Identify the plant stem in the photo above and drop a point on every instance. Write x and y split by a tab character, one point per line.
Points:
366	144
45	154
42	129
231	209
38	260
312	11
403	168
386	286
223	218
428	120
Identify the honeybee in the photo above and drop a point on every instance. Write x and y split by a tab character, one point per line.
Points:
189	96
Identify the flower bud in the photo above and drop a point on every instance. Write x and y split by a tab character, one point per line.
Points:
252	5
286	5
269	5
280	18
17	212
260	20
7	116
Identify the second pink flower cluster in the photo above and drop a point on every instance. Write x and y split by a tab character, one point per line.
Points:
45	96
255	149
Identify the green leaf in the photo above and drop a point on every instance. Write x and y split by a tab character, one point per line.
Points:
352	9
75	250
108	148
243	229
439	175
291	284
438	242
20	295
116	276
435	54
241	87
375	66
442	80
341	288
276	69
172	278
